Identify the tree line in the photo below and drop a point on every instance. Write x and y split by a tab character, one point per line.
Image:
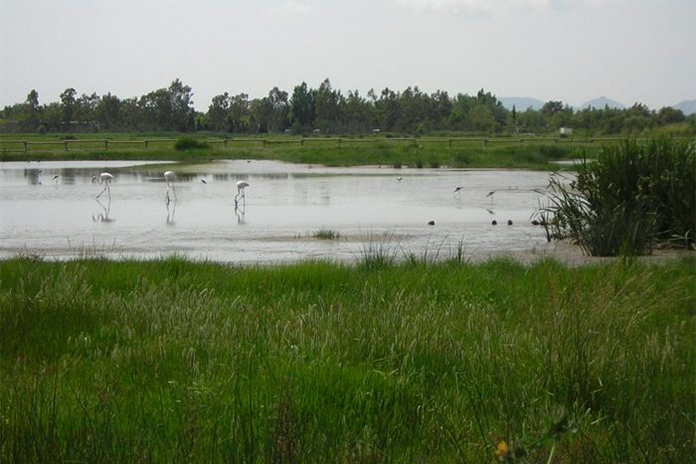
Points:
329	111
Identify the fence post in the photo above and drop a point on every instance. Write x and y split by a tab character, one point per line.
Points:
450	143
302	142
65	144
485	143
25	147
263	143
145	144
224	143
339	143
106	144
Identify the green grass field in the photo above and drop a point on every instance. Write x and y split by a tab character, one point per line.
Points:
173	361
424	152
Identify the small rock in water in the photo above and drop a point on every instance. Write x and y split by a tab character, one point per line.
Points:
509	222
431	223
494	222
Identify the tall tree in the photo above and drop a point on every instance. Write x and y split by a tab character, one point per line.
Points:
303	107
169	108
328	107
182	106
239	116
358	113
218	113
32	110
107	111
85	107
67	99
388	109
280	107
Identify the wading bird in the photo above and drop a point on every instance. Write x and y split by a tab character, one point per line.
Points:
399	178
169	176
103	178
241	185
458	191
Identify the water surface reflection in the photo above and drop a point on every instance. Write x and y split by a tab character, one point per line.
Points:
284	207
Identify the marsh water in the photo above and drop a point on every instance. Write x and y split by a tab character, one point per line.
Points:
49	209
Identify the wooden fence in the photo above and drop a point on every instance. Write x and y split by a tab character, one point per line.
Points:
450	142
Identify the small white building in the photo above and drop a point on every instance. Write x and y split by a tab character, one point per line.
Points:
565	131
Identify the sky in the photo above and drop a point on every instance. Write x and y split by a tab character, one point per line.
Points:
569	50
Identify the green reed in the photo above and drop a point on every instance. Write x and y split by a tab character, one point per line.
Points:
631	198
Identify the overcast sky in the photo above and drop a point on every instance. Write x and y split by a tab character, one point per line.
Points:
569	50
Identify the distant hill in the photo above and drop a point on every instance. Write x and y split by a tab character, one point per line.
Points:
687	107
521	103
601	102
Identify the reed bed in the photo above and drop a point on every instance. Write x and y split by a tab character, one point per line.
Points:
633	197
175	361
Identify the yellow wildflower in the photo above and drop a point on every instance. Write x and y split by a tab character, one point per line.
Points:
502	450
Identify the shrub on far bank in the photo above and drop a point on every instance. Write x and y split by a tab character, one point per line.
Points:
188	143
633	197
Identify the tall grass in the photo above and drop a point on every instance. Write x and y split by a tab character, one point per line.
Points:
173	361
632	197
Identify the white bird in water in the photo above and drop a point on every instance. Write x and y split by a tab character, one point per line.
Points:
241	185
169	176
104	178
399	178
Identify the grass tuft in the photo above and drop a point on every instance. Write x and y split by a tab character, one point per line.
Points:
327	234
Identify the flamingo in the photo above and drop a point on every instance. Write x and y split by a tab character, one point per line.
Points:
103	178
241	185
169	176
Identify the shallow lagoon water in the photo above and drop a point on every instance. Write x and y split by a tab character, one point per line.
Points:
286	205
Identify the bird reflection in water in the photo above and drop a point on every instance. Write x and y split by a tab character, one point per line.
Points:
171	209
103	216
241	214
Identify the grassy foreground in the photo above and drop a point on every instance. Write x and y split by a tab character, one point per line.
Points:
172	361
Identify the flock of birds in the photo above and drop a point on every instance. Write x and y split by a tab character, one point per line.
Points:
105	178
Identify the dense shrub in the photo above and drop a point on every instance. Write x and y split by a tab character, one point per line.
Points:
634	196
187	143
